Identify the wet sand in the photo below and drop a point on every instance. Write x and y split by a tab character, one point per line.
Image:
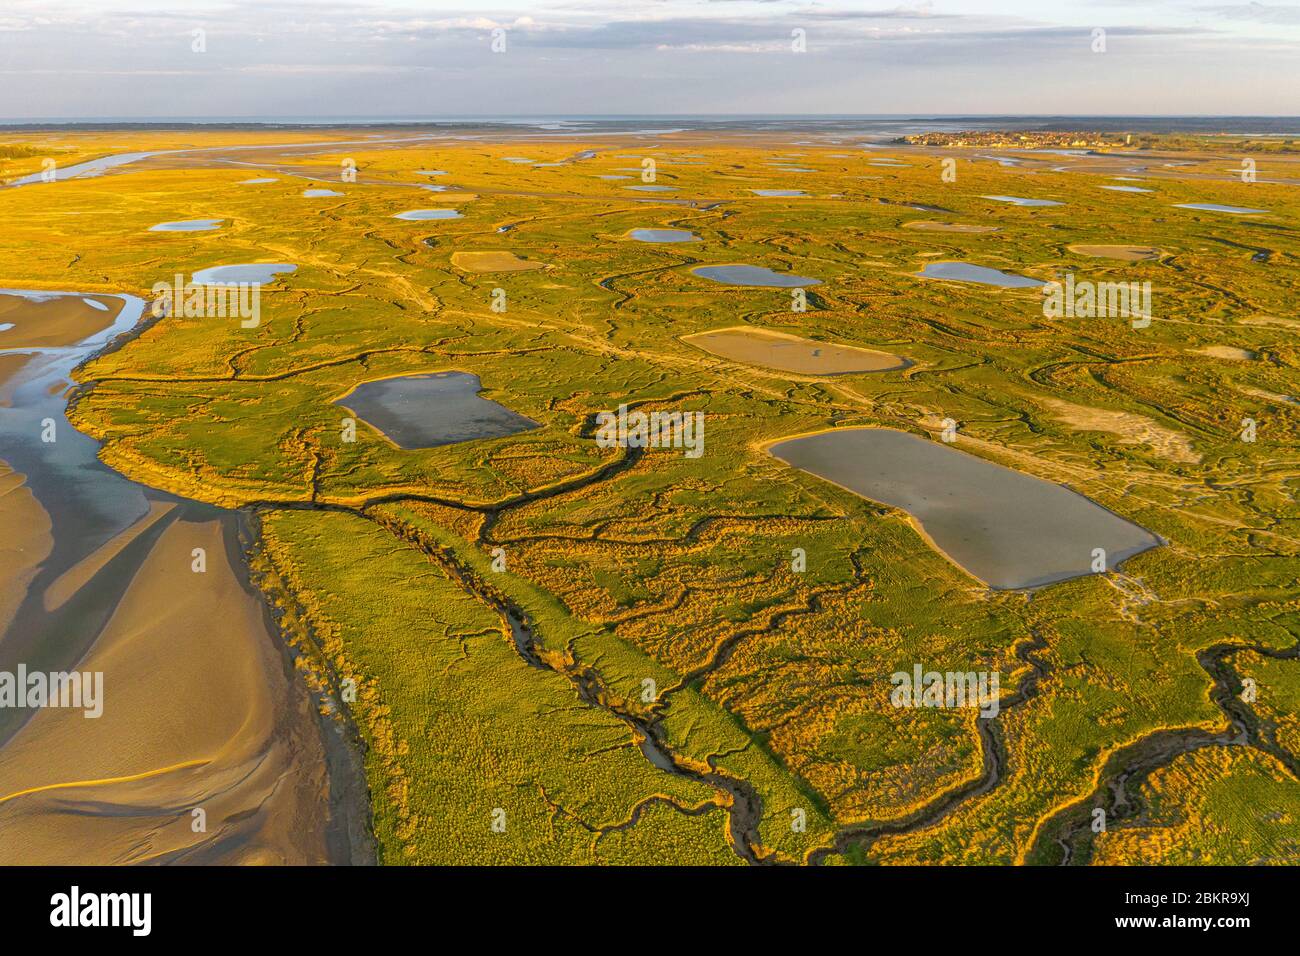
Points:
52	321
791	353
24	540
493	262
199	712
1123	253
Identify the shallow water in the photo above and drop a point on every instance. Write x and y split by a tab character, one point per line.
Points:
1009	529
187	225
256	182
320	193
1127	189
1020	201
419	215
261	273
965	272
431	172
753	276
663	235
427	411
1215	207
777	192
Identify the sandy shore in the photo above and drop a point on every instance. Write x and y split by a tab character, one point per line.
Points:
199	713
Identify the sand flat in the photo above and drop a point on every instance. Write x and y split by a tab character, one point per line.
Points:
53	320
792	353
199	712
1123	253
493	262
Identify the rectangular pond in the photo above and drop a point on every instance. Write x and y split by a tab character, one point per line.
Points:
1006	528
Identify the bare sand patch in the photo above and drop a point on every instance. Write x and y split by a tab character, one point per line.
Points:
1133	429
926	225
1274	397
1230	352
492	262
1123	253
199	711
57	320
1272	320
791	353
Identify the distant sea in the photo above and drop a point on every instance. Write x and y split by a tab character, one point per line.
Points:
867	126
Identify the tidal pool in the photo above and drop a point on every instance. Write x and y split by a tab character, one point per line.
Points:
187	225
663	235
927	226
1006	528
493	262
965	272
1127	189
431	172
256	182
752	276
320	193
792	353
427	411
777	192
255	272
1215	207
1020	201
417	215
1121	252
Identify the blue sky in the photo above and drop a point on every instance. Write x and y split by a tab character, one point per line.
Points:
114	58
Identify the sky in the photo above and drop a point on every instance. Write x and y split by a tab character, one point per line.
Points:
203	59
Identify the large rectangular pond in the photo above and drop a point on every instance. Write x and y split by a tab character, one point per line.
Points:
426	411
1009	529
